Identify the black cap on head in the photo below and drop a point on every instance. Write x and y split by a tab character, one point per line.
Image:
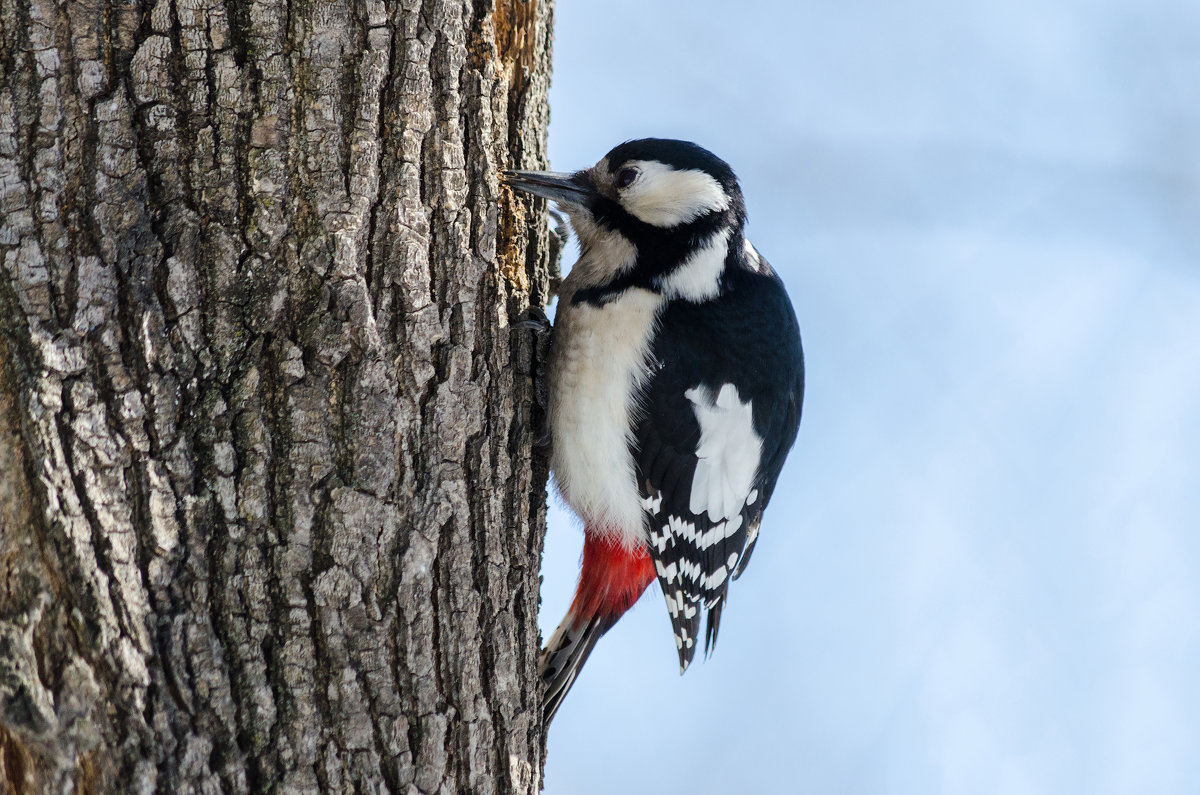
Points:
682	155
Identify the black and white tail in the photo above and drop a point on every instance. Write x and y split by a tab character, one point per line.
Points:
564	656
611	578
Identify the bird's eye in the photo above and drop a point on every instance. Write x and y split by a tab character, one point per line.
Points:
626	176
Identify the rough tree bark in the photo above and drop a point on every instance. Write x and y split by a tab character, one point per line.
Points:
270	517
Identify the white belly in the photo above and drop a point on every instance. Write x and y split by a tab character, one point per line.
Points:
598	362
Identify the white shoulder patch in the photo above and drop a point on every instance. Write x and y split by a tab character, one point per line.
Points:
753	258
729	453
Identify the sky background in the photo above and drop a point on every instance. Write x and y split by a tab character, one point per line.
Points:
979	570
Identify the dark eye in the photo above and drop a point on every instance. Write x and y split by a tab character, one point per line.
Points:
626	176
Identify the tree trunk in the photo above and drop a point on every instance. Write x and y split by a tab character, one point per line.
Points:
270	513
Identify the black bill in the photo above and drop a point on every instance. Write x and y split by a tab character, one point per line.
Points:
566	188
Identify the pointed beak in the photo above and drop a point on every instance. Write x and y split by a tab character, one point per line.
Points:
565	188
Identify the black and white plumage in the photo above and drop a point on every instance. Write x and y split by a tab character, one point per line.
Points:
675	389
719	418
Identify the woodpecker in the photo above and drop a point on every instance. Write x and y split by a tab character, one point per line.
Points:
675	383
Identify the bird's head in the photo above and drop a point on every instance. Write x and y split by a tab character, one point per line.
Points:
645	208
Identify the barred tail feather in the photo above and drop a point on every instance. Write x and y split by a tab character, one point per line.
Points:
564	656
714	624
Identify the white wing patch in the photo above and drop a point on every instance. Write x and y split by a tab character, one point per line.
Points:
729	453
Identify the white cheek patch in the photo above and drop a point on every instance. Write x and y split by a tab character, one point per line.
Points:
729	453
699	277
663	196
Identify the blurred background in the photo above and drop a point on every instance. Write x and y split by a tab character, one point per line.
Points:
979	570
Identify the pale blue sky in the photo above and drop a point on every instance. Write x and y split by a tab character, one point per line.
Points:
980	570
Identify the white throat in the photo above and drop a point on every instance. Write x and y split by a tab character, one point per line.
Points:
605	255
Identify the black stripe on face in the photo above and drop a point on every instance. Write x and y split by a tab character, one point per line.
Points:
659	250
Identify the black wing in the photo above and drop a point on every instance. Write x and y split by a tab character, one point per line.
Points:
719	413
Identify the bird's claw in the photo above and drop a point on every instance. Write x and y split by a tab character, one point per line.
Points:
537	321
561	229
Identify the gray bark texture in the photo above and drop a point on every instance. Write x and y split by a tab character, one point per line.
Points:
271	514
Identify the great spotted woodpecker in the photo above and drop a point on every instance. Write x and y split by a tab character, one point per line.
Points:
676	379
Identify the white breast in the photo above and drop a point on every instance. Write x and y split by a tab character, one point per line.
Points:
598	363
